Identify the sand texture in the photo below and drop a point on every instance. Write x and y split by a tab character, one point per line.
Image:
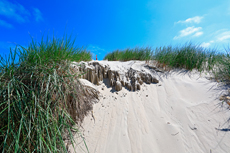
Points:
180	114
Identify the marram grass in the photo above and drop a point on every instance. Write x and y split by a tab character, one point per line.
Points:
137	53
223	67
39	99
188	56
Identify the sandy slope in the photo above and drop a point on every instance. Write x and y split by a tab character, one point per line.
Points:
178	115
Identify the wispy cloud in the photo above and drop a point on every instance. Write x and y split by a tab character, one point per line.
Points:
206	44
17	12
14	11
196	19
189	31
223	36
38	15
5	24
6	45
95	50
198	34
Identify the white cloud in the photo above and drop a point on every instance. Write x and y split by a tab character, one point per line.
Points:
205	45
189	31
14	11
95	50
196	19
220	36
5	24
7	45
38	15
211	41
224	36
198	34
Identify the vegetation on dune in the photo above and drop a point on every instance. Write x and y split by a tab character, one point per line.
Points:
137	53
188	56
40	97
192	56
223	72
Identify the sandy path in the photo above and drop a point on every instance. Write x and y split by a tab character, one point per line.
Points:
178	115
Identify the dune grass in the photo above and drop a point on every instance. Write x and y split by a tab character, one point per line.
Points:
40	97
137	53
188	56
223	68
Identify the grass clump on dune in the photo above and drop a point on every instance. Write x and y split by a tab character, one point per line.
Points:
137	53
40	97
188	56
192	56
223	71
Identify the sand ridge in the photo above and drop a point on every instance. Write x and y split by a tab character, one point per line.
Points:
180	114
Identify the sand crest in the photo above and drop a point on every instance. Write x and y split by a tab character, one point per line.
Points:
180	114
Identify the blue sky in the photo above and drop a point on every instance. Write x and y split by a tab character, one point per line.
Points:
104	26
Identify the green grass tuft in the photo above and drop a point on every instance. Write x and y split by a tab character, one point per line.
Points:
188	56
130	54
223	67
40	97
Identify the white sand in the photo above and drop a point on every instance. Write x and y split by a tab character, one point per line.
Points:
180	114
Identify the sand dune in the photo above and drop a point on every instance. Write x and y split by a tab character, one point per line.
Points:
180	114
